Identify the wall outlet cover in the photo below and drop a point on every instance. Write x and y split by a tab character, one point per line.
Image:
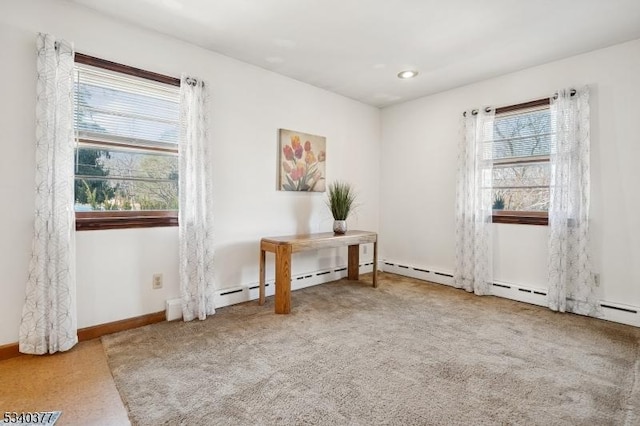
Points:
157	281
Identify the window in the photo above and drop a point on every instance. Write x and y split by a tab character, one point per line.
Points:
522	136
126	157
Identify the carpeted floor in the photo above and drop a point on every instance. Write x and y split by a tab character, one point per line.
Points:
406	353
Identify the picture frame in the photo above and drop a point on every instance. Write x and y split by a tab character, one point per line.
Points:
301	161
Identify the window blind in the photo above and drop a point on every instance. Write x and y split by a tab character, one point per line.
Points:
519	136
124	110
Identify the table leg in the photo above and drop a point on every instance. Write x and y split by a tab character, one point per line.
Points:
283	279
262	272
354	262
375	264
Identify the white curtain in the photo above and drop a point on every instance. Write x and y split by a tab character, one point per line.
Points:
571	281
473	269
49	321
195	194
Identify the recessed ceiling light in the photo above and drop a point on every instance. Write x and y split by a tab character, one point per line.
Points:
407	74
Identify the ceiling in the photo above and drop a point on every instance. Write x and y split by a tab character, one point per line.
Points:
357	47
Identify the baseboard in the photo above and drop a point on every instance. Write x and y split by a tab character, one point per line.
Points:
425	274
100	330
251	291
9	351
611	311
521	293
89	333
618	312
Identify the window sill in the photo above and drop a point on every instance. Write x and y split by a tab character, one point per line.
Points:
521	218
93	221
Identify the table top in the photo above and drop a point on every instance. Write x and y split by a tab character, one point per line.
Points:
323	239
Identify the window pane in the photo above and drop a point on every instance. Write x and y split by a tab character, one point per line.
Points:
522	199
521	187
108	179
536	174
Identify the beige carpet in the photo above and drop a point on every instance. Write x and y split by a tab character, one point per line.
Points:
406	353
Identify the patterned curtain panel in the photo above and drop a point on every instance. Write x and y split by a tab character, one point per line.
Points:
196	238
571	281
473	269
49	321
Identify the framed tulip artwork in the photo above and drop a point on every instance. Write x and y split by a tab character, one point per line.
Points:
302	161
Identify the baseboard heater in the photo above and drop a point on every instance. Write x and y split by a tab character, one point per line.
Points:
239	294
521	289
442	274
250	288
440	277
611	311
618	308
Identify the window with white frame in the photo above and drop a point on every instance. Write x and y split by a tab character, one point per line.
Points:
126	158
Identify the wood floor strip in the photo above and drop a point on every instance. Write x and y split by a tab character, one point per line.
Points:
89	333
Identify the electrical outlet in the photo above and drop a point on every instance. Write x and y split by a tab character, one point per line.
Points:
157	281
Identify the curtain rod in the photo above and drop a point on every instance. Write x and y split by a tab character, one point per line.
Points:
530	104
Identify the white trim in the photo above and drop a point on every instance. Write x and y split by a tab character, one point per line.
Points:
250	291
527	294
425	274
626	316
611	311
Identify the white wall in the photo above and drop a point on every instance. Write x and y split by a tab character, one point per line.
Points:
248	105
419	147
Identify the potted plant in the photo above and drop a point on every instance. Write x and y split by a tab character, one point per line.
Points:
341	201
498	202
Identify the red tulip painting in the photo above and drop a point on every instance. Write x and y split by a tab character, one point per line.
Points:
302	161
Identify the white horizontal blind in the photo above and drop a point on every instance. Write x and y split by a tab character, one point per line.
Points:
520	134
123	109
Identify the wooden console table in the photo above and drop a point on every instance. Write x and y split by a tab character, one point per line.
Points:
284	246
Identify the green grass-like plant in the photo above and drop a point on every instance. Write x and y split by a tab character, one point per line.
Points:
341	199
498	202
